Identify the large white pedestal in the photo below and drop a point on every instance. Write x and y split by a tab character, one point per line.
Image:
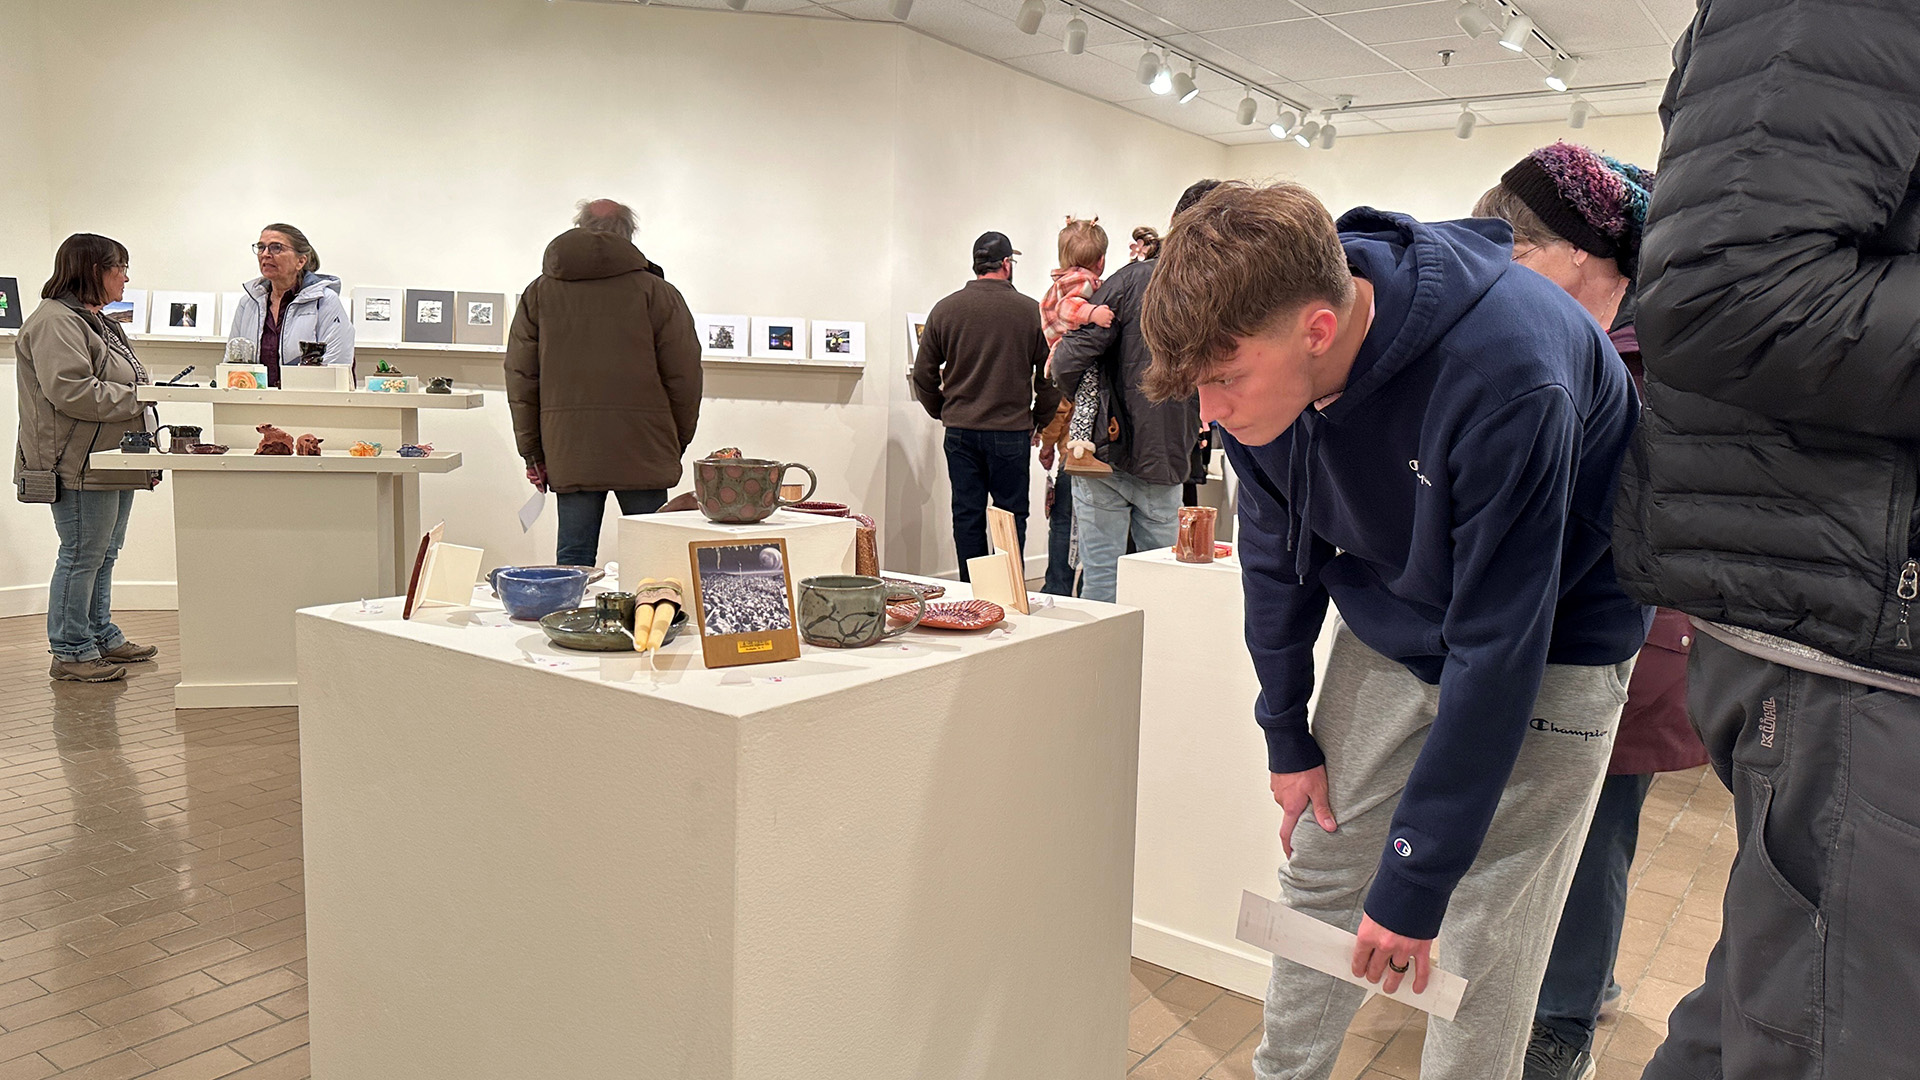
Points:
875	863
655	545
1208	825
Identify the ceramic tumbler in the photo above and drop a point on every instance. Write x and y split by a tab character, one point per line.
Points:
615	609
849	611
137	442
741	491
181	438
1196	534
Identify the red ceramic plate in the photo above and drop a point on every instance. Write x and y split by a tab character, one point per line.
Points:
960	615
824	509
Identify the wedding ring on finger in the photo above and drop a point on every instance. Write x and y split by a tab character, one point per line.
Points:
1398	969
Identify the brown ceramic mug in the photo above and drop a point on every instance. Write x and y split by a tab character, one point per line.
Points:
1195	544
741	491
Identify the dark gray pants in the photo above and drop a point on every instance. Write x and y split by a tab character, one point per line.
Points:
1817	972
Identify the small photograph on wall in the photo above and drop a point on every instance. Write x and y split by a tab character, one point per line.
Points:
839	339
482	319
916	325
10	312
429	316
743	599
776	338
723	335
377	313
380	309
183	314
130	311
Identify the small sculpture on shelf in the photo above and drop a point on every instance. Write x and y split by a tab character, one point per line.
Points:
415	449
440	385
727	452
307	446
274	441
364	449
384	368
312	353
208	448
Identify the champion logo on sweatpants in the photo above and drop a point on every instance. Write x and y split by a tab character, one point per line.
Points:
1402	848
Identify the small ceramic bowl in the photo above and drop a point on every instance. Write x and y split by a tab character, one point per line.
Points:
531	592
413	450
824	509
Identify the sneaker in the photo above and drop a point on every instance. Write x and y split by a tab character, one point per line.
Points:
86	670
1612	995
1551	1058
128	653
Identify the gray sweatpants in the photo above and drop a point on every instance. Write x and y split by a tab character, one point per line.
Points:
1372	719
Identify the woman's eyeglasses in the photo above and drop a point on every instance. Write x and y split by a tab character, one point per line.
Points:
275	248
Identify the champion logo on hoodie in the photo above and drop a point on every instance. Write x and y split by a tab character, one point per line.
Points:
1415	466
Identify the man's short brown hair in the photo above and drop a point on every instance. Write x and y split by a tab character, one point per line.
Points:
1083	243
1240	260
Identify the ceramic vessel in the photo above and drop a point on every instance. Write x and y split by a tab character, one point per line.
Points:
181	438
741	491
593	573
824	509
414	449
137	442
209	448
849	611
532	592
441	385
582	629
1195	544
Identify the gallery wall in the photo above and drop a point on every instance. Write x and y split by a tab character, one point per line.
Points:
778	165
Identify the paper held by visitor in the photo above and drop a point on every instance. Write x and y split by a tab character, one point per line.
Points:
1305	940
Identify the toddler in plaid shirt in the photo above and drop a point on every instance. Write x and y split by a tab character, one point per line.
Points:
1067	307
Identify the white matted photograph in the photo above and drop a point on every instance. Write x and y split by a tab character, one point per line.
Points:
724	335
839	339
183	314
377	313
779	338
480	312
429	312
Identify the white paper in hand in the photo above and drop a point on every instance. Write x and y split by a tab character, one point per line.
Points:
1305	940
530	513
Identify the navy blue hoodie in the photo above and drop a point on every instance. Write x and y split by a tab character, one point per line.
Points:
1455	502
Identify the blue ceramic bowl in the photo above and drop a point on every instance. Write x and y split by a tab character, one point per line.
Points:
531	592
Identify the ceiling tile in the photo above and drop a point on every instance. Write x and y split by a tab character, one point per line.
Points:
1415	22
1419	55
1335	7
1594	26
978	30
1417	121
1672	16
1523	114
1509	77
1201	15
1199	117
1302	50
1374	89
1089	74
1624	65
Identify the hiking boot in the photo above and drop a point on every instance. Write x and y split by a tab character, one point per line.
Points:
86	670
1079	461
1551	1058
128	653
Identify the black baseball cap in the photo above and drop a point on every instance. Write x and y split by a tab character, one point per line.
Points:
991	250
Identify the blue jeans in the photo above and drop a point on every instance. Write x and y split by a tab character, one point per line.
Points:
982	464
1060	539
92	526
1581	965
1111	507
580	514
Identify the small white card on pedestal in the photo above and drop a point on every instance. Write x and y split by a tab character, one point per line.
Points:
449	575
1307	941
996	579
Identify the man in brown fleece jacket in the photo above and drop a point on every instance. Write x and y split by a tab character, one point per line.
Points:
981	372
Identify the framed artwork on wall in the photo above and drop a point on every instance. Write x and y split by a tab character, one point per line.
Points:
130	311
481	318
10	312
743	601
839	339
429	317
723	335
778	338
377	313
184	314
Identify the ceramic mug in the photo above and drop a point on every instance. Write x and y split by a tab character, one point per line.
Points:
137	442
849	611
615	609
1195	544
741	491
181	438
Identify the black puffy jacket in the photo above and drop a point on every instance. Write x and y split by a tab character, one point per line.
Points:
1772	484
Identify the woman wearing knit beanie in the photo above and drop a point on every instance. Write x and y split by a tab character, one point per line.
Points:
1577	218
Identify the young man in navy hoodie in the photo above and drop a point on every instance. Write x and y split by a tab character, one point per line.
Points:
1428	436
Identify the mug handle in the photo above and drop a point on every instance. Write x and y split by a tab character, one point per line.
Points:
157	429
812	483
921	600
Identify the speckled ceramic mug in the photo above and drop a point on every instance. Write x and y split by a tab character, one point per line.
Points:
848	611
741	491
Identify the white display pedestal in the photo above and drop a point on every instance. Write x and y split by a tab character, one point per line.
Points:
878	863
257	538
655	545
1208	825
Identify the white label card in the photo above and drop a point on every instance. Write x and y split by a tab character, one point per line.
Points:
1305	940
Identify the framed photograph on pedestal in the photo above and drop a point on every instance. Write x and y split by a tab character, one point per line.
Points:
839	339
723	335
10	310
481	318
376	313
130	311
776	338
184	314
429	317
743	601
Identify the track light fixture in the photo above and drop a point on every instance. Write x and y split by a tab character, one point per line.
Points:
1474	20
1185	88
1248	107
1519	31
1308	132
1031	12
1147	68
1578	113
1076	35
900	9
1563	72
1162	83
1463	127
1283	124
1327	134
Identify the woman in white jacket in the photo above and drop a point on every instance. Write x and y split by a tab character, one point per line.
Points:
292	302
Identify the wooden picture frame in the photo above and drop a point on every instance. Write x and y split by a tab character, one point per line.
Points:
427	540
734	593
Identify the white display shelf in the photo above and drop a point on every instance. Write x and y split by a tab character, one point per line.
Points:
429	349
349	399
748	361
328	461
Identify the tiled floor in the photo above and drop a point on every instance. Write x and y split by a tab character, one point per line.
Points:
1183	1029
152	916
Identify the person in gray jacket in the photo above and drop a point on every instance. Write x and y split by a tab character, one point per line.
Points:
291	302
76	375
1149	445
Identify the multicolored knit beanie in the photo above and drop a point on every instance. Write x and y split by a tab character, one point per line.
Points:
1598	204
